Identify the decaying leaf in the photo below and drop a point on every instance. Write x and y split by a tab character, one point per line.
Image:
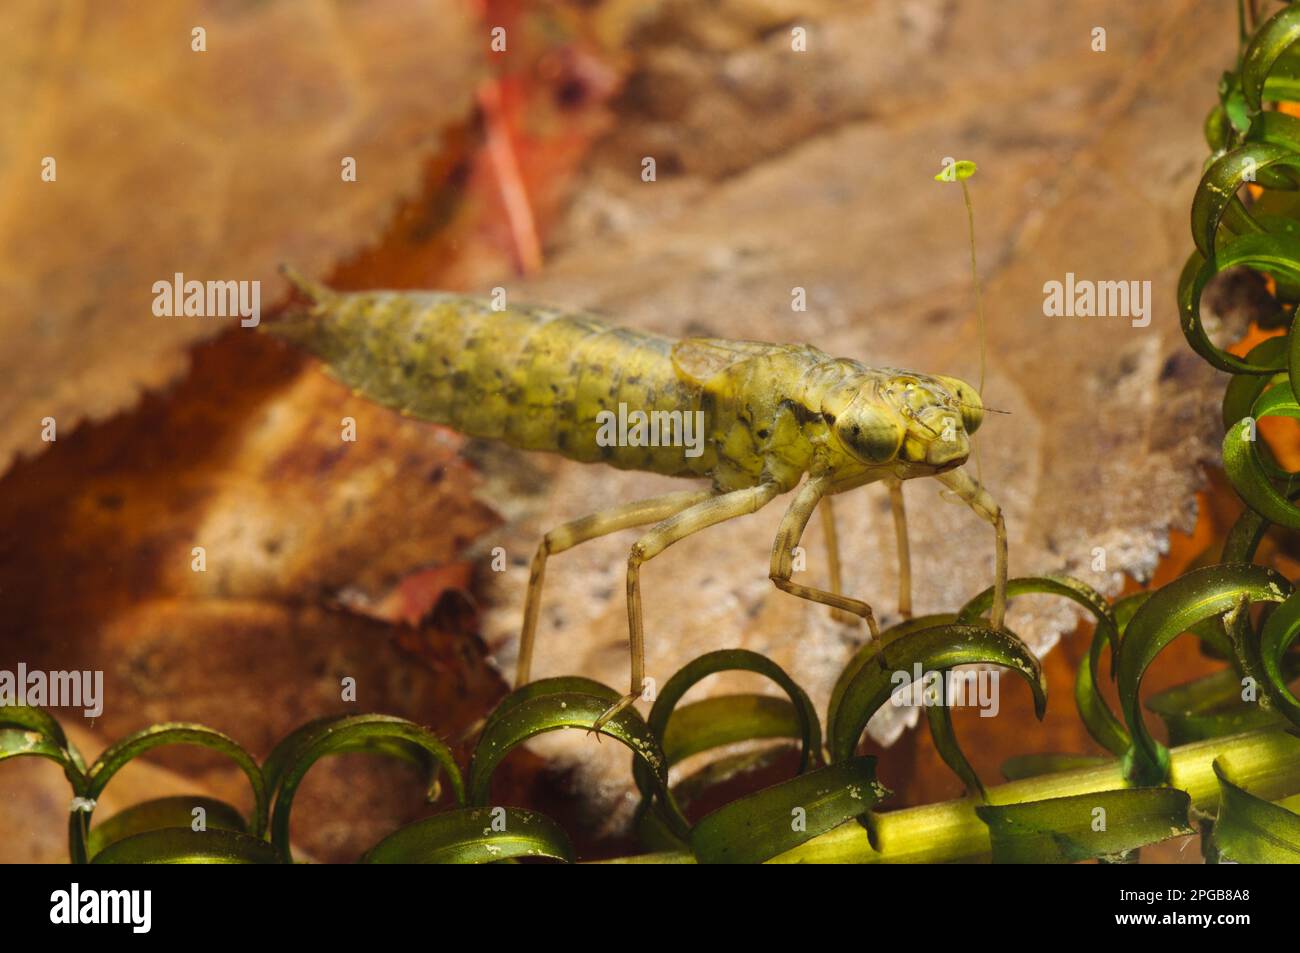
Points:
129	155
191	552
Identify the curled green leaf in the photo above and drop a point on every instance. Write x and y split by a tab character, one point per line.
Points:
24	742
1243	464
117	756
547	686
349	733
38	720
693	729
653	831
939	718
1067	587
167	812
1264	252
27	720
726	719
867	652
550	705
1217	191
1102	724
703	726
381	742
1175	608
474	835
1270	42
1244	536
1244	389
181	845
1209	707
933	650
763	825
1104	824
1280	632
1250	830
1282	130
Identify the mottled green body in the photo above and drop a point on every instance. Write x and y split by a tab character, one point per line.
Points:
753	418
539	379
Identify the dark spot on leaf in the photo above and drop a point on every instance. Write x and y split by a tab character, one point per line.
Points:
571	93
1178	366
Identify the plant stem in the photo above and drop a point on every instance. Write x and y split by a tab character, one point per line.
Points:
975	281
1265	762
979	312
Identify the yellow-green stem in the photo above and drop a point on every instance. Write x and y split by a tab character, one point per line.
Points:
1266	763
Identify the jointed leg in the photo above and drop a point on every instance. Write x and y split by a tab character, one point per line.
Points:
787	538
833	558
659	537
580	531
978	499
904	549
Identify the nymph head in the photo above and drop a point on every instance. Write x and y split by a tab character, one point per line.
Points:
897	416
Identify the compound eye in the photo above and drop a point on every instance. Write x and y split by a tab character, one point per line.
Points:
872	435
972	408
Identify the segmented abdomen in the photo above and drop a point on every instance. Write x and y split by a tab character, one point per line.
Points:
535	378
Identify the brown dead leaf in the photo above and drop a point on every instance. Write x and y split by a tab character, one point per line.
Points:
216	164
246	460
